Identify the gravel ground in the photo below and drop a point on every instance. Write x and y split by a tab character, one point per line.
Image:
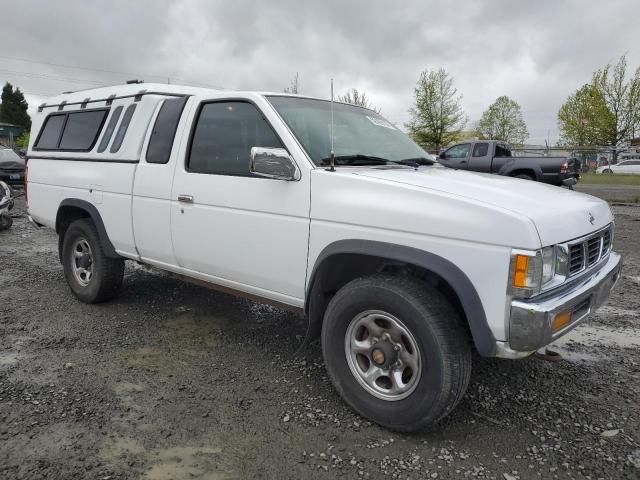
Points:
172	381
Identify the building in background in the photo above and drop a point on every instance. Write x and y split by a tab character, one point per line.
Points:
9	133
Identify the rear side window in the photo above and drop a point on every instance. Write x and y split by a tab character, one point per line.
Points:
113	121
164	130
122	130
224	135
72	131
50	133
81	130
480	149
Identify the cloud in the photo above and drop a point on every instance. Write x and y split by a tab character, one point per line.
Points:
535	52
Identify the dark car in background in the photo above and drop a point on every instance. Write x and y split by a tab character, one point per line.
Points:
494	156
11	167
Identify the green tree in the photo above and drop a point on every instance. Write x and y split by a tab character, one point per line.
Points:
23	140
13	108
437	117
584	118
355	97
503	121
294	86
622	98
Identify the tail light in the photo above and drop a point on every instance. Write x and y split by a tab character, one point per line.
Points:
564	168
26	174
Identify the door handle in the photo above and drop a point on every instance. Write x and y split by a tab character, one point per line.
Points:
463	161
185	198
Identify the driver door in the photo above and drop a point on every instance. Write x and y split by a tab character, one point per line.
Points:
229	226
457	156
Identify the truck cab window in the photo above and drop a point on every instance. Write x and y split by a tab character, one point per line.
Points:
223	137
502	151
480	149
458	151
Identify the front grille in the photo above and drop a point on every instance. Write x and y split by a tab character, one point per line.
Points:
589	251
576	258
606	241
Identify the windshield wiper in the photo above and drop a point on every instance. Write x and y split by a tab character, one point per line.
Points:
357	160
415	162
363	160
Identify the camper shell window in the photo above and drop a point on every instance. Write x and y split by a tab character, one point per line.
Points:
75	131
122	129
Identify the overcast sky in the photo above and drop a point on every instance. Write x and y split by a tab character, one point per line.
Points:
536	52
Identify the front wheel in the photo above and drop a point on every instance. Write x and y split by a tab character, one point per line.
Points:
92	276
396	351
607	171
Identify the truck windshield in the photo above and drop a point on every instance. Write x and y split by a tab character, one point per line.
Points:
360	136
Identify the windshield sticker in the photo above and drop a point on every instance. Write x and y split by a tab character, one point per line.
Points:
380	122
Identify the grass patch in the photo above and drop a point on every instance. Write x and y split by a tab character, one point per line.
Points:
601	179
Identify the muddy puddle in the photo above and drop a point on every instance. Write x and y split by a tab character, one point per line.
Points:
171	463
583	344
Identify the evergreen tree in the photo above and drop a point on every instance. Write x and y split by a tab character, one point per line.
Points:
13	108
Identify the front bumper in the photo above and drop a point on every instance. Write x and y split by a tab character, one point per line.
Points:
530	326
12	178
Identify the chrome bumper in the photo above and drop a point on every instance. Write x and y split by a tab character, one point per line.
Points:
530	326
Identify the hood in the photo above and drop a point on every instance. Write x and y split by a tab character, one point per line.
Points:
10	160
558	214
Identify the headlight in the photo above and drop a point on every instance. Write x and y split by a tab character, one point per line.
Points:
548	264
531	271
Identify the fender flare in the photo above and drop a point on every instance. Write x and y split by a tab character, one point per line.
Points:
482	335
512	166
94	214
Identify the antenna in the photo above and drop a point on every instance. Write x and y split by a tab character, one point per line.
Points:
332	156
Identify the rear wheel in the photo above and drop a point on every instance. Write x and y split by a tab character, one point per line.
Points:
396	351
92	276
524	176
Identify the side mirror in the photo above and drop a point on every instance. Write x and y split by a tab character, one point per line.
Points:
441	155
273	163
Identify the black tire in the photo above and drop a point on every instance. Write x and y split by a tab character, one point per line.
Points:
524	176
106	278
441	337
5	221
608	171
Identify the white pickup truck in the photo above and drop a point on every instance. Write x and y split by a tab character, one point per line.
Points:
404	267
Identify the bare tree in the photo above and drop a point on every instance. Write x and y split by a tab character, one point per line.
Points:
294	86
355	97
437	117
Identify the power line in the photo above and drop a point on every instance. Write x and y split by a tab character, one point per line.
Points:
52	77
76	67
115	72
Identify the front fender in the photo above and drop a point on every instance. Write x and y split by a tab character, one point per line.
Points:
483	338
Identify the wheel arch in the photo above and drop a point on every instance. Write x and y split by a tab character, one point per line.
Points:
513	168
345	260
72	209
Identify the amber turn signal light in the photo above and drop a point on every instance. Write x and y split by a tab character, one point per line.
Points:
521	265
560	320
